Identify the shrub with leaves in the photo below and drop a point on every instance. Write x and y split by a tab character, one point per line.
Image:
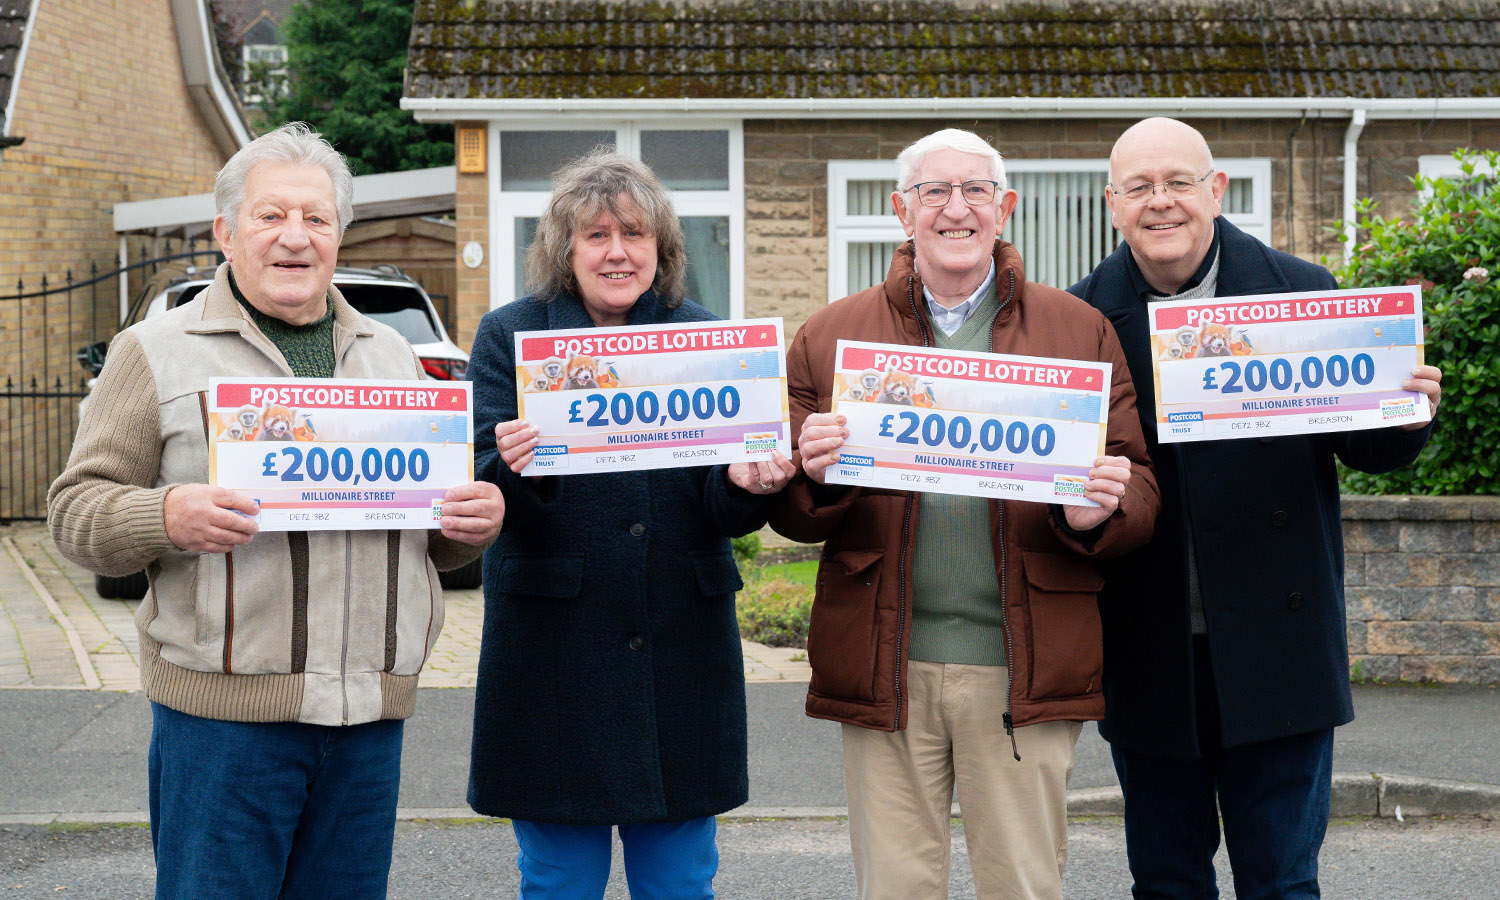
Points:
775	612
745	548
1451	247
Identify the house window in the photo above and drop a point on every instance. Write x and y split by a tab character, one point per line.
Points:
1451	169
263	71
701	165
1061	224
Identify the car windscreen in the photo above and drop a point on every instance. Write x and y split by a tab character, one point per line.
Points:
400	307
188	293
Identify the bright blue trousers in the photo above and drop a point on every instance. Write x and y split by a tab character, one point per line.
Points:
272	811
663	860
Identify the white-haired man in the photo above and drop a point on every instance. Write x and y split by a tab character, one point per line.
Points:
279	666
957	637
1226	666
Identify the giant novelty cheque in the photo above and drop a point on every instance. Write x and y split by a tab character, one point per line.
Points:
1275	364
653	396
324	453
979	424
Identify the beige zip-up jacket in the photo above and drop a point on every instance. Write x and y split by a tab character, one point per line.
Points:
325	627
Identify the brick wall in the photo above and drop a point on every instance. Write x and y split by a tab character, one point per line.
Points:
1423	588
106	116
472	201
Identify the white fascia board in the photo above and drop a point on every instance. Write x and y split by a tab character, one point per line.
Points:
15	78
408	193
447	110
196	48
194	212
409	185
375	196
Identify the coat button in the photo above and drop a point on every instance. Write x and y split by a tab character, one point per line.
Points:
1294	600
636	643
637	529
1278	518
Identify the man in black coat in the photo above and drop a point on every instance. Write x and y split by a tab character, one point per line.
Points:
1226	666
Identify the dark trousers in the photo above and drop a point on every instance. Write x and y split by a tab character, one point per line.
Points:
1273	797
255	811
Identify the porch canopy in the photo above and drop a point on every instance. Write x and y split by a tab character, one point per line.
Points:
391	195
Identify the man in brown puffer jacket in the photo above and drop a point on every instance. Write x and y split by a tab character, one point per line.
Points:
953	661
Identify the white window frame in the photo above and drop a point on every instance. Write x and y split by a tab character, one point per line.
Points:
1445	166
277	72
845	229
1257	222
508	206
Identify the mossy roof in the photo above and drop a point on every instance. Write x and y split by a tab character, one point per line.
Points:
598	49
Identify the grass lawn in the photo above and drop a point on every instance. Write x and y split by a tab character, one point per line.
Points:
801	572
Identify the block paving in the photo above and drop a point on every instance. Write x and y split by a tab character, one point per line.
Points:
36	650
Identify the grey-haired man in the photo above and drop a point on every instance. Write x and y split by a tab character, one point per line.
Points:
280	665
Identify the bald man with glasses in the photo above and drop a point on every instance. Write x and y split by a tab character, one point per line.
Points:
1225	662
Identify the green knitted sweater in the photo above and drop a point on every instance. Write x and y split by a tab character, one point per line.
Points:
308	348
956	602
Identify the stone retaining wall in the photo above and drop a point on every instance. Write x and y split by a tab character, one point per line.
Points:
1423	588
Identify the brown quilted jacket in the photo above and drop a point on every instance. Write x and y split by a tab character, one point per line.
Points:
1048	580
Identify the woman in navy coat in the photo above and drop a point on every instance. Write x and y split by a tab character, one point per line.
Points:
611	687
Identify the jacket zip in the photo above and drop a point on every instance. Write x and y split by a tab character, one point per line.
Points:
911	299
344	650
1010	658
228	561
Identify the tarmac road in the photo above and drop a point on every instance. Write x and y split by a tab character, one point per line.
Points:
1363	859
84	752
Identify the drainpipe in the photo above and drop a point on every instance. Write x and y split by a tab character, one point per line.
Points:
1351	176
124	279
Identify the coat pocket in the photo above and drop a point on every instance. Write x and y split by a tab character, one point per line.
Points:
559	576
843	636
717	574
1066	646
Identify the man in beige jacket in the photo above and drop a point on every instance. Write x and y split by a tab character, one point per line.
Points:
279	666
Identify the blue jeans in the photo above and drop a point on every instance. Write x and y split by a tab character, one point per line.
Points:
663	860
1273	797
272	811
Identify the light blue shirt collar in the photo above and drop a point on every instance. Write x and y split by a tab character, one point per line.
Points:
951	320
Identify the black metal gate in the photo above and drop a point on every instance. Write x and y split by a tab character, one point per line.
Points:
42	335
42	419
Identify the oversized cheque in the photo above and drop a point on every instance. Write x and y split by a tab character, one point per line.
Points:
653	396
1275	364
325	453
980	424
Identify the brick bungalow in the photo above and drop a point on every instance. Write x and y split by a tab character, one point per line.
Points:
776	122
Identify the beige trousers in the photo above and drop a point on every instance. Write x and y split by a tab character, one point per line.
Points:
900	787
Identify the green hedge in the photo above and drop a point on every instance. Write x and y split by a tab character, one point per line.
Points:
1451	247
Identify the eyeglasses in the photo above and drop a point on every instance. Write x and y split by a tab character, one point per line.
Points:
1176	188
936	193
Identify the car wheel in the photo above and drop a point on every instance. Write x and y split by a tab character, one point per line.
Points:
125	587
469	575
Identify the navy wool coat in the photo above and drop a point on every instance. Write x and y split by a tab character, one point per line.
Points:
611	687
1268	537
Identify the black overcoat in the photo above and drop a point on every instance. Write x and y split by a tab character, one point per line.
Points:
611	686
1269	543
